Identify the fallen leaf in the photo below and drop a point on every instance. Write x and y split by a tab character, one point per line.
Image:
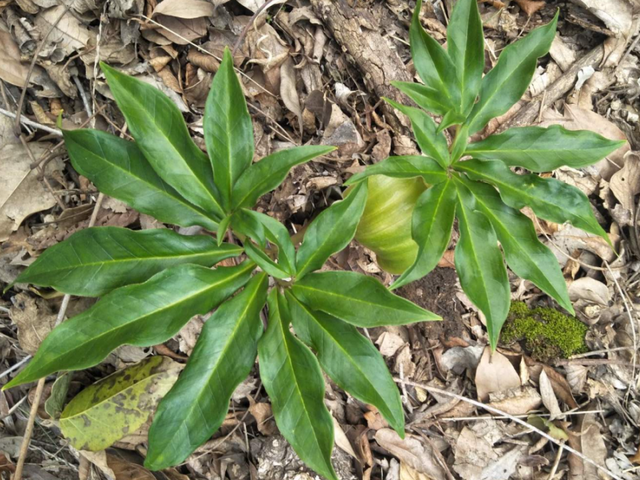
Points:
124	470
341	439
591	290
118	404
625	183
414	452
517	402
185	8
494	374
22	193
34	320
288	90
408	473
68	37
530	6
12	70
549	399
264	418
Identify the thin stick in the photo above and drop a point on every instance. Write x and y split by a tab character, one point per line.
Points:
16	366
510	417
24	448
31	123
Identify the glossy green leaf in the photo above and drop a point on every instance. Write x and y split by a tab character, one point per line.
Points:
426	97
460	143
162	136
432	62
431	226
265	175
409	166
331	231
431	142
119	169
95	261
117	405
223	227
349	359
544	149
480	266
228	131
222	358
246	224
357	299
278	235
465	45
141	315
549	198
292	378
264	261
525	254
505	84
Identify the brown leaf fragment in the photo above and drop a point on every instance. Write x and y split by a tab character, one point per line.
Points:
185	8
413	451
530	6
548	396
494	374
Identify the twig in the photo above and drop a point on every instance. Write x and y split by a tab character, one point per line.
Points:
26	83
554	468
26	440
16	366
510	417
31	123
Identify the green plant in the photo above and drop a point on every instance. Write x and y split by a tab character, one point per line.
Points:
152	282
482	192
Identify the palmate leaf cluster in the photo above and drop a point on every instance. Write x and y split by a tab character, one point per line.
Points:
473	182
152	282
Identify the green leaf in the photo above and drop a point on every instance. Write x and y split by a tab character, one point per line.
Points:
119	169
505	84
331	231
265	175
350	360
279	236
95	261
549	198
222	358
228	131
465	45
223	227
525	254
425	97
480	266
357	299
431	142
162	136
117	405
141	315
246	224
264	261
58	397
544	149
292	378
409	166
432	62
431	226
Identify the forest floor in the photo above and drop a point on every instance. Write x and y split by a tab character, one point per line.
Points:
314	72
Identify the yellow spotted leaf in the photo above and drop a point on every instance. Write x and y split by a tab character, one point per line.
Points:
117	405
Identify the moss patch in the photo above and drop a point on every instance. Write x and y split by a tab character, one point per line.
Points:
547	334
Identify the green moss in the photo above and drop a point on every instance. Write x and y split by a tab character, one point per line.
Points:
547	334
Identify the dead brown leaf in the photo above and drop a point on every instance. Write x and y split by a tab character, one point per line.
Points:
413	451
185	8
530	6
495	374
548	396
12	70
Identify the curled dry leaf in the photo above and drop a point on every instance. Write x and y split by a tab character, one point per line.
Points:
548	396
414	452
494	374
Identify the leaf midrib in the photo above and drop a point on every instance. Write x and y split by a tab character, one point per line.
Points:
158	311
222	355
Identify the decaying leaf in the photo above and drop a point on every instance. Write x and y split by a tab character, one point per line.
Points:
495	374
22	193
34	320
118	404
185	8
415	453
548	396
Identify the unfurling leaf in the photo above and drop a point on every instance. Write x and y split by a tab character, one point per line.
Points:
480	266
357	299
544	149
117	405
95	261
222	358
292	378
331	231
142	315
162	136
119	169
349	359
